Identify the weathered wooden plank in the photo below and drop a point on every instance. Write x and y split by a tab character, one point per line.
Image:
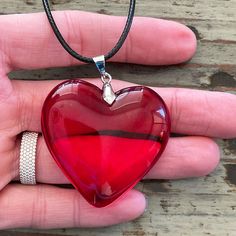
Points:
188	9
214	78
215	54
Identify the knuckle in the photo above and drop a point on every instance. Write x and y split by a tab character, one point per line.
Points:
39	206
175	110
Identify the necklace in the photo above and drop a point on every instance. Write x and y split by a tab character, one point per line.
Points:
103	141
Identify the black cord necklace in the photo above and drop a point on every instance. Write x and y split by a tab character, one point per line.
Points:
108	93
104	141
65	45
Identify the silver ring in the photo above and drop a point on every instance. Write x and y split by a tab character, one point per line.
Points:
27	157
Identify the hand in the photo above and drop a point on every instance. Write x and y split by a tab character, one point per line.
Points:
27	42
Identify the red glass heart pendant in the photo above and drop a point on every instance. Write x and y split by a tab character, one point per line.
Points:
103	149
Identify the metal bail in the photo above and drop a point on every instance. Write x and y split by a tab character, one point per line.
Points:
108	94
100	64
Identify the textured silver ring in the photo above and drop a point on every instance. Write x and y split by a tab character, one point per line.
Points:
27	157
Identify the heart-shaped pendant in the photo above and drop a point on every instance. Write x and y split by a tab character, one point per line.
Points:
103	149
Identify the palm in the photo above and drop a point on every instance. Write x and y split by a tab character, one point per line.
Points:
193	113
10	128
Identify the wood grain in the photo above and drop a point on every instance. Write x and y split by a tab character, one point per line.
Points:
202	206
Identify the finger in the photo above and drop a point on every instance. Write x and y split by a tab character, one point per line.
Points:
186	157
183	158
28	41
204	113
47	207
193	112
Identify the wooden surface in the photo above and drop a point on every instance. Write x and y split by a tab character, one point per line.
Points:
202	206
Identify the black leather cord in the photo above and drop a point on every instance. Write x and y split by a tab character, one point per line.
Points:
88	59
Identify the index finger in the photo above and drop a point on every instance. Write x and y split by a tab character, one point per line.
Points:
28	42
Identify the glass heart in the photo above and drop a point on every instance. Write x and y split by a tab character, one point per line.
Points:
103	149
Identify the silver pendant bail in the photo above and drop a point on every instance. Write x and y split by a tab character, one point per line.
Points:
100	64
108	94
